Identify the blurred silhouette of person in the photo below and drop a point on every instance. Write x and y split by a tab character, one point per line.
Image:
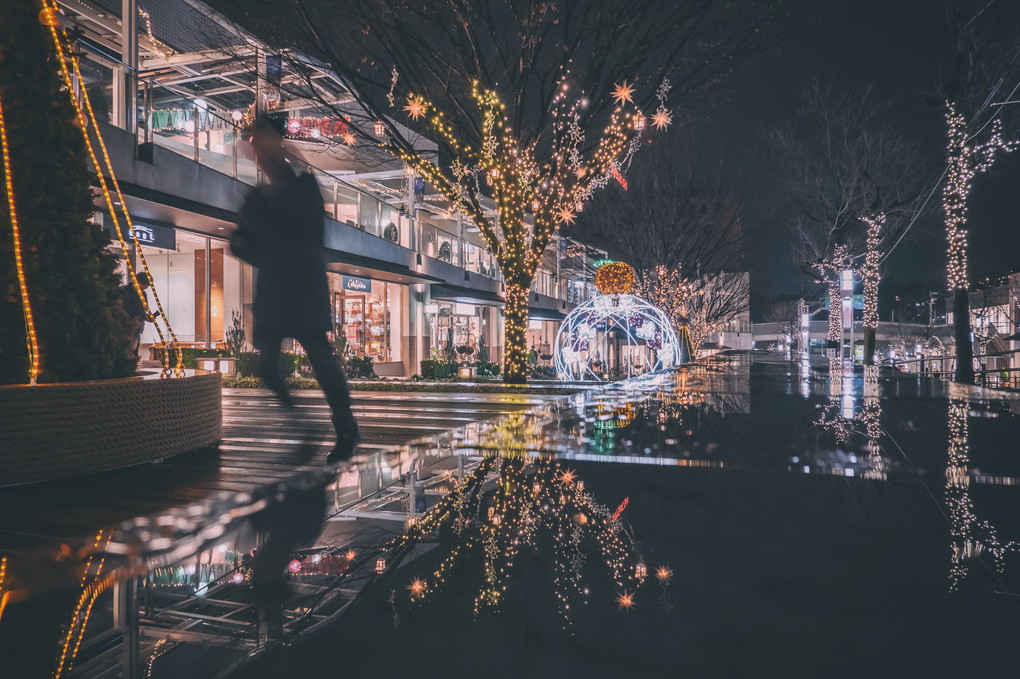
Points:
280	233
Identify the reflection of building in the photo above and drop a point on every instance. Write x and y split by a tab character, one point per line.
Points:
174	105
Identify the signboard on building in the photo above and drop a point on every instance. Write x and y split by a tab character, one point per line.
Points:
357	284
858	301
147	234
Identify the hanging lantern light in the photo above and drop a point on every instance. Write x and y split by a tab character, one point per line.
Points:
537	487
380	565
639	122
535	205
379	128
641	571
579	207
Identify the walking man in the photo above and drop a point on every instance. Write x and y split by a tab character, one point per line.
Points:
280	233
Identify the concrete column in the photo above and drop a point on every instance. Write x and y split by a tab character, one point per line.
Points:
208	293
125	618
125	78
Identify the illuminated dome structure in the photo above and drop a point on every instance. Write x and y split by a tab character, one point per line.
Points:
616	335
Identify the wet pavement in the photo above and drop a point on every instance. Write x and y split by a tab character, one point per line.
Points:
737	518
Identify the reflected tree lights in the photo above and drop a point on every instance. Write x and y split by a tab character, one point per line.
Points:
544	511
970	535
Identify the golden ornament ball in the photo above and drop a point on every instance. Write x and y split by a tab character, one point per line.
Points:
616	278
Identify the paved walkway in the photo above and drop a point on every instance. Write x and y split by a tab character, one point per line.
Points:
261	444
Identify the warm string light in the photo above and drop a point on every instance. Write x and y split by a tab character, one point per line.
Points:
683	300
49	11
971	536
92	584
870	273
965	162
31	340
549	502
554	189
4	594
829	270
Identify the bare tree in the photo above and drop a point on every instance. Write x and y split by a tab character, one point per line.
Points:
534	105
852	176
677	222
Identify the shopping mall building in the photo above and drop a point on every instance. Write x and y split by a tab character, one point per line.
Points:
407	273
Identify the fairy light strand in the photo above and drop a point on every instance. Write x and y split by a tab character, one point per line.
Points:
32	341
965	162
554	189
49	13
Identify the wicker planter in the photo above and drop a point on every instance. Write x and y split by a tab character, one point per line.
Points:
53	431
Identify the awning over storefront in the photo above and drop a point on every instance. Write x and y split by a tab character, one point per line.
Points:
376	269
456	293
538	314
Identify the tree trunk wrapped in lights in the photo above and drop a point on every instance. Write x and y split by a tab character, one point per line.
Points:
870	274
965	162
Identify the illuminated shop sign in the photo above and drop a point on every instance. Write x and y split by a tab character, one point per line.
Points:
357	284
151	235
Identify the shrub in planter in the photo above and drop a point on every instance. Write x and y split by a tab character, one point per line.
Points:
544	372
247	364
191	355
359	367
437	370
487	369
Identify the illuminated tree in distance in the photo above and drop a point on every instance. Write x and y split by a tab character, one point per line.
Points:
532	107
966	159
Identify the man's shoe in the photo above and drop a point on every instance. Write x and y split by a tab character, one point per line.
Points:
343	450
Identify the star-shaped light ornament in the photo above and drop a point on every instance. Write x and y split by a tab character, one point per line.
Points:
348	138
566	216
625	600
415	108
661	119
624	93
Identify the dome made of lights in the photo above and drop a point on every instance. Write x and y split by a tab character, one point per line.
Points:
642	330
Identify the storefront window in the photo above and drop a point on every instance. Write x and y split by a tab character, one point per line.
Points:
197	312
363	314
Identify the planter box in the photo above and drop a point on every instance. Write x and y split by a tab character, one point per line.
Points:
467	371
52	431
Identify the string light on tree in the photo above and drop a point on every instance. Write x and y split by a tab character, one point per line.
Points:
965	162
870	272
534	194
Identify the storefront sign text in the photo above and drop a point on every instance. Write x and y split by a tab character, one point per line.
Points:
357	284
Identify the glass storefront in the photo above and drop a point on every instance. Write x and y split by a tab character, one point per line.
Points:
199	311
462	325
366	313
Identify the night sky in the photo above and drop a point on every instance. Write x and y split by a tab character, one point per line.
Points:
901	47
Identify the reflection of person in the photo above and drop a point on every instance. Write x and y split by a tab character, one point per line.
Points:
286	524
280	233
135	309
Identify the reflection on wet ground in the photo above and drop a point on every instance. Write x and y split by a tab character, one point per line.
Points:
738	518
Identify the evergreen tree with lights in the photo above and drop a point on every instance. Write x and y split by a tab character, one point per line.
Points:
70	273
533	106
